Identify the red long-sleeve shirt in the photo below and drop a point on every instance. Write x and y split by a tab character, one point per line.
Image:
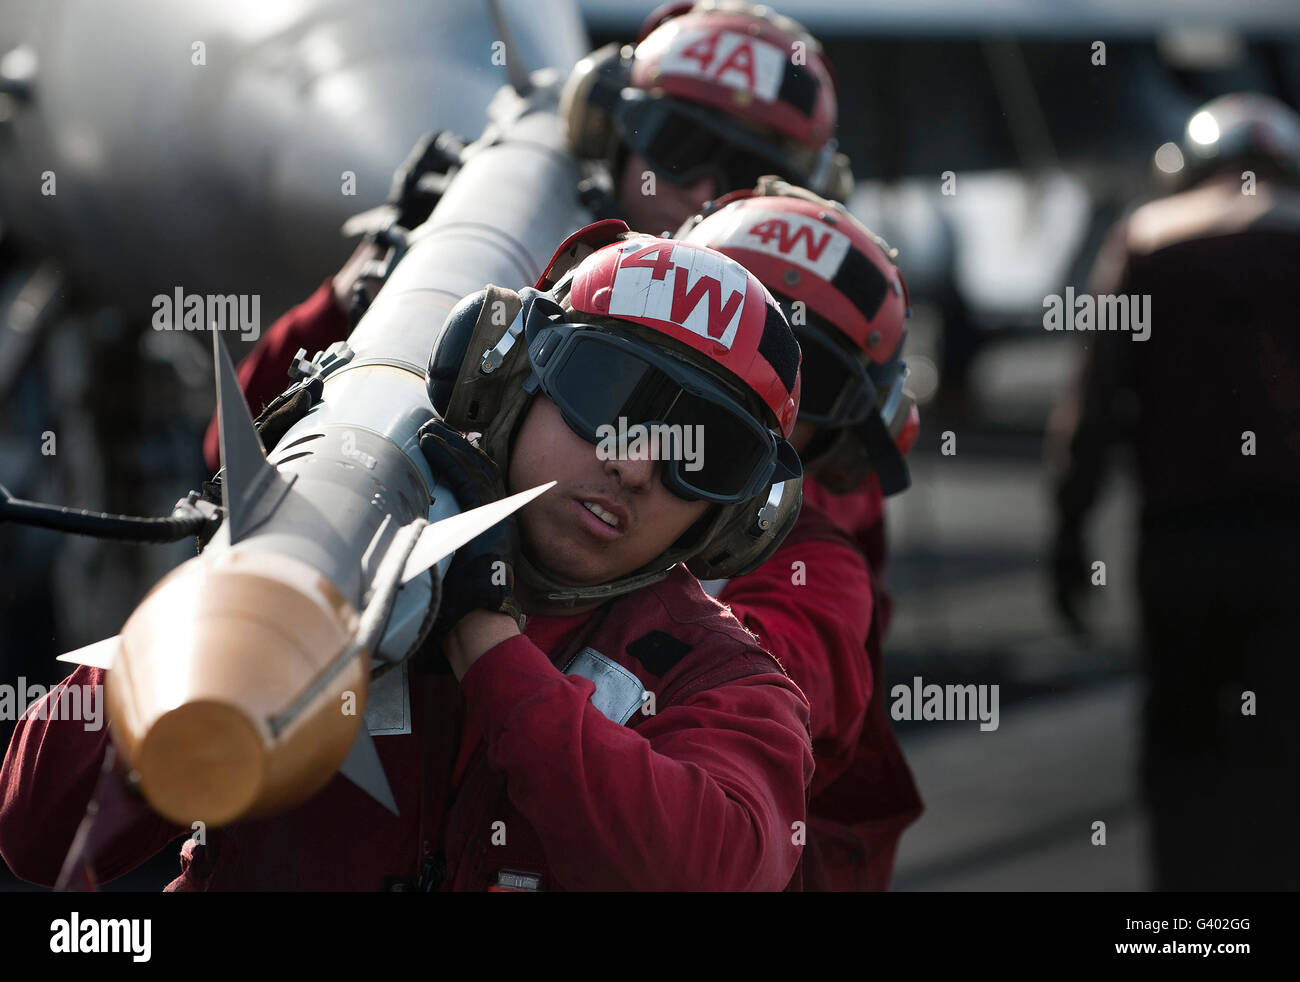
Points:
701	795
860	515
811	605
863	794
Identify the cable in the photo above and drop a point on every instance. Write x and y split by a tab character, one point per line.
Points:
187	519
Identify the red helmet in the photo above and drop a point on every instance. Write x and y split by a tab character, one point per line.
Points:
745	61
624	327
721	88
811	251
814	251
702	299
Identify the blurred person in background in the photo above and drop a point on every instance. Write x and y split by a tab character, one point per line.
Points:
1210	405
712	96
847	303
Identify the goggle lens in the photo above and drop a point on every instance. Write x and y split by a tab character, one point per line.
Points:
837	389
682	145
598	380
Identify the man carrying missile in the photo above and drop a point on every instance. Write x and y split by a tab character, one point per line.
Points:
847	303
632	735
711	96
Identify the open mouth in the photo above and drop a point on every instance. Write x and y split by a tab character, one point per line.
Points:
608	518
602	522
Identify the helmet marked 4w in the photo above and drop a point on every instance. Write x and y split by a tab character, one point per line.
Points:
652	331
848	303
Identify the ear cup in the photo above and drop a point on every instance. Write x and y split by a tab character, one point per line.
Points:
449	350
741	545
588	100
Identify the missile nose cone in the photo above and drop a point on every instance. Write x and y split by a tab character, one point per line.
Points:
202	761
219	698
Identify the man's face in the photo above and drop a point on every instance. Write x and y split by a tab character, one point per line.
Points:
669	206
565	537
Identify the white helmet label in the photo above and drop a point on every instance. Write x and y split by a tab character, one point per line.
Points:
701	291
728	58
803	241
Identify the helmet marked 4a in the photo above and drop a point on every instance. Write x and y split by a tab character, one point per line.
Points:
726	89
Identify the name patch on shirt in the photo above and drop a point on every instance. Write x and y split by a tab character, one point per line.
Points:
618	692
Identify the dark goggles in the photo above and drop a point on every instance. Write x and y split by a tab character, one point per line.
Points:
599	378
837	387
840	392
682	143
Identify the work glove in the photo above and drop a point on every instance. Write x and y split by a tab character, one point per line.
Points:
285	410
482	572
415	188
1069	577
274	422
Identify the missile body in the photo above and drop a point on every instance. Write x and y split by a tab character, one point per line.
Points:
213	141
238	685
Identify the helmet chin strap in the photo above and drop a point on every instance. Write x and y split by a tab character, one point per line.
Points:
545	594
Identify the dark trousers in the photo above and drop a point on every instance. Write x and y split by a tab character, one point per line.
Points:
1221	617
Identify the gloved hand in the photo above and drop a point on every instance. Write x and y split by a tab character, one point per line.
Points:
1069	577
414	199
285	410
416	188
482	573
274	422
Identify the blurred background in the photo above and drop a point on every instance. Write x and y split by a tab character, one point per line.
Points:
228	180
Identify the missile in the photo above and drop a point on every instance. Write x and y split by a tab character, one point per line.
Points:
213	141
237	687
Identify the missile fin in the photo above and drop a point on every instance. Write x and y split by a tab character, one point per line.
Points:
364	769
248	474
98	655
443	538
